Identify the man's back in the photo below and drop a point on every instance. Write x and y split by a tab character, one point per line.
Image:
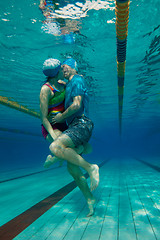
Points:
77	87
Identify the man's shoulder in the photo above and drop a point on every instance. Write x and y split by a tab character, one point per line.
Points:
78	79
77	76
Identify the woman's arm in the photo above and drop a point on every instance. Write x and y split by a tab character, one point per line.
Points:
45	96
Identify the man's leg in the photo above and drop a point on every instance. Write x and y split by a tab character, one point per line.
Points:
50	160
81	182
61	148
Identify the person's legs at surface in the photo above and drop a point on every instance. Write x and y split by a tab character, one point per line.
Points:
81	182
62	148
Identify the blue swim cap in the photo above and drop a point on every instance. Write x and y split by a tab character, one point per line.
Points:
71	62
51	67
69	38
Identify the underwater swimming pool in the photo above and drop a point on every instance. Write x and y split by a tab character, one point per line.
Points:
84	30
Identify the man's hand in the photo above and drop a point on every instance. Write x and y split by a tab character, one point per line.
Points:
62	82
57	119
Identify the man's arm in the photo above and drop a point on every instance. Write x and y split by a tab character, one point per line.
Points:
73	108
44	100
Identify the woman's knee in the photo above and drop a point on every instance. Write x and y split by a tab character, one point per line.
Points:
79	149
49	138
87	148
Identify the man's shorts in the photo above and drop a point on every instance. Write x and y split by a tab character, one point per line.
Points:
60	126
80	130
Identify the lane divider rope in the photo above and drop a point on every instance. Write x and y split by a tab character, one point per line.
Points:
122	18
15	105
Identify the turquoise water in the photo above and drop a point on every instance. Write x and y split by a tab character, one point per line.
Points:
27	39
25	44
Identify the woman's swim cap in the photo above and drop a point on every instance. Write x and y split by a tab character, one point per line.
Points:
51	67
71	62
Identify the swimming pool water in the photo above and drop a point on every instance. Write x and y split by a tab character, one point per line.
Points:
27	38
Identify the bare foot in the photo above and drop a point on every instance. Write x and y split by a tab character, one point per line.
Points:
50	160
94	177
91	204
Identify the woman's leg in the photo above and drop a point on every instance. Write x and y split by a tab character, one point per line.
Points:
50	160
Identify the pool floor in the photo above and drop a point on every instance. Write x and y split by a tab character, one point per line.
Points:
40	204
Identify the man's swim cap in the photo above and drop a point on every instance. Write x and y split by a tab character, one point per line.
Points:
71	62
51	67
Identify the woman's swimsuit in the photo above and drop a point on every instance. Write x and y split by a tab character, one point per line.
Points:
55	106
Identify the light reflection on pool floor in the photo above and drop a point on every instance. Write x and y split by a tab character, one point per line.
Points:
127	207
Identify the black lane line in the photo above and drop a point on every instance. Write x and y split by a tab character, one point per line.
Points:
15	226
149	164
20	132
26	175
30	174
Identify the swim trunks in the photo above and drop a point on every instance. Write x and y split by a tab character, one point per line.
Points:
80	130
